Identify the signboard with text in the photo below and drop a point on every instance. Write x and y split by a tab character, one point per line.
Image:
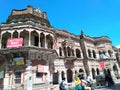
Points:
14	42
102	65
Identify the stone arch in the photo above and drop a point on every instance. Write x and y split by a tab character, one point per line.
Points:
93	73
5	38
69	75
49	41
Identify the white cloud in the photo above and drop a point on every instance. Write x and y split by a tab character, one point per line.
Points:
118	46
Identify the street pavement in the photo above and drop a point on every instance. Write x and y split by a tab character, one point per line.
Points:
116	86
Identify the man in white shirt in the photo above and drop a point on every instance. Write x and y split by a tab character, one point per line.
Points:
89	78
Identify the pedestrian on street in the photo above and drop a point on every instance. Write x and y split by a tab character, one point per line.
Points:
78	84
63	85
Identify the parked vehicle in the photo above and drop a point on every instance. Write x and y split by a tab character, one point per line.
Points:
100	80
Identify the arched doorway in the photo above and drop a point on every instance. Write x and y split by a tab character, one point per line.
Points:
97	71
115	71
93	73
69	75
55	77
62	74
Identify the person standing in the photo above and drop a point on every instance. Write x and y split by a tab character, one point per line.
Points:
78	84
63	85
89	79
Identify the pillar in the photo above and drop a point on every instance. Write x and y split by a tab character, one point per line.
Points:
60	79
29	42
45	42
39	40
66	76
18	34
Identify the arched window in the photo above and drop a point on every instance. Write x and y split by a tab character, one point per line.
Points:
89	53
93	73
78	53
49	41
69	75
60	51
110	53
62	74
69	51
94	54
97	71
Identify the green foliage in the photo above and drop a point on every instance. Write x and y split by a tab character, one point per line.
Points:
72	88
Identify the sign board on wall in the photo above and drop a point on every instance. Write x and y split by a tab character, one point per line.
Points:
43	68
14	42
18	61
102	65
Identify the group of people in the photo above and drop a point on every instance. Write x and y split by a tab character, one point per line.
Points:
80	83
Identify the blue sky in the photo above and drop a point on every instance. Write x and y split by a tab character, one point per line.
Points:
95	17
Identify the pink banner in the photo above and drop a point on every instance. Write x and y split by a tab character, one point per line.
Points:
102	65
14	42
42	68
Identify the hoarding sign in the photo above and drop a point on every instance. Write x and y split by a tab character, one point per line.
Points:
18	61
42	68
102	65
14	42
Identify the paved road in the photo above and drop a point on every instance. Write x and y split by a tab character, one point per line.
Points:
114	87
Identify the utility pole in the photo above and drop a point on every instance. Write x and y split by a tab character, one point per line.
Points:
85	58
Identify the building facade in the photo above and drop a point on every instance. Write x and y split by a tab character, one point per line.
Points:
59	52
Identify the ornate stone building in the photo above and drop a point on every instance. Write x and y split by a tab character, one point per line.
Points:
63	54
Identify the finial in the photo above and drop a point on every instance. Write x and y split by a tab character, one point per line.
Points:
82	33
